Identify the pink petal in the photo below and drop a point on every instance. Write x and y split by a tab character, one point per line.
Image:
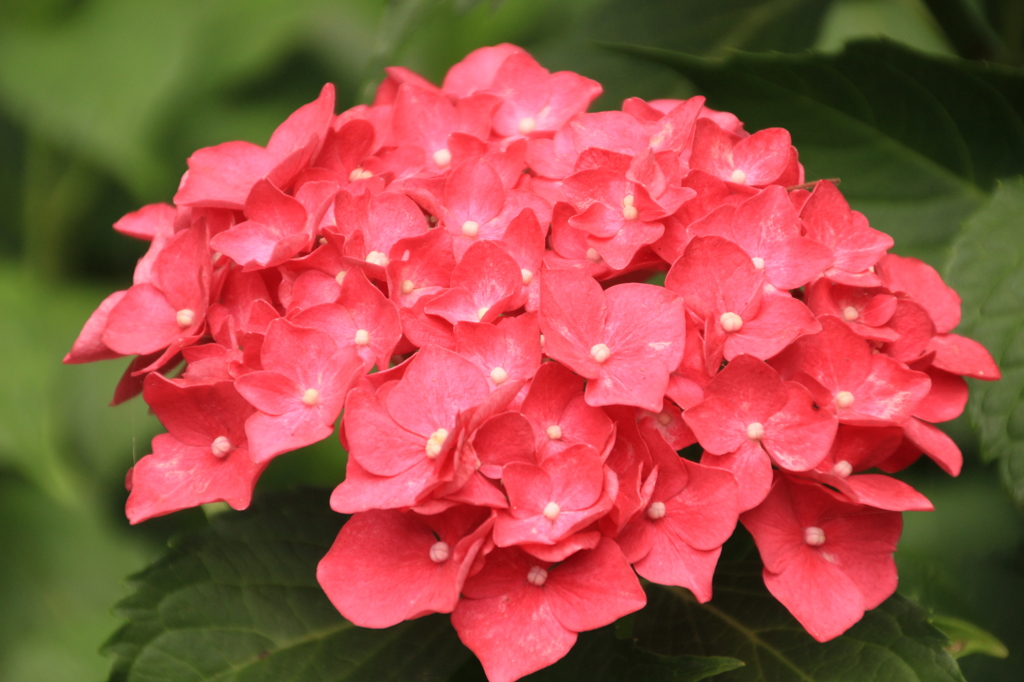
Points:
645	333
476	70
890	393
964	356
89	346
308	120
712	272
704	513
780	320
437	385
946	399
501	440
222	176
886	492
379	571
272	393
272	435
572	319
473	192
362	491
147	222
935	444
178	476
593	588
514	634
800	435
763	156
751	467
819	595
141	322
185	410
925	287
829	220
374	439
671	562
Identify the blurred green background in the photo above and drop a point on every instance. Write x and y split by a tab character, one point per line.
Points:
101	102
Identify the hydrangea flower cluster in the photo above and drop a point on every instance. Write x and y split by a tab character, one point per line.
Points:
460	272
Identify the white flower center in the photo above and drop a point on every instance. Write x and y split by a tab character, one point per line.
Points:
731	322
221	446
554	432
593	256
527	125
499	375
436	442
527	276
185	318
442	157
362	337
408	286
311	397
377	258
537	576
814	536
844	399
656	511
470	228
600	352
758	262
629	211
439	552
755	431
738	176
850	313
551	511
842	468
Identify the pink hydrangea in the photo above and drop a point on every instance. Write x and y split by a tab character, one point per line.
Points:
462	275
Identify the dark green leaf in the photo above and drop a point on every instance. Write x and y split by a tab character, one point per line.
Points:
966	638
916	140
986	268
893	643
239	601
966	27
713	28
600	657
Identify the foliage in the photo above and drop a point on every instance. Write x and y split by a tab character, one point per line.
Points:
239	601
986	268
102	100
916	141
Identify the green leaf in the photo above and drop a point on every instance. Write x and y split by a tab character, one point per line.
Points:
713	28
599	656
63	566
966	27
55	424
894	642
966	638
904	22
112	80
240	601
986	269
917	141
